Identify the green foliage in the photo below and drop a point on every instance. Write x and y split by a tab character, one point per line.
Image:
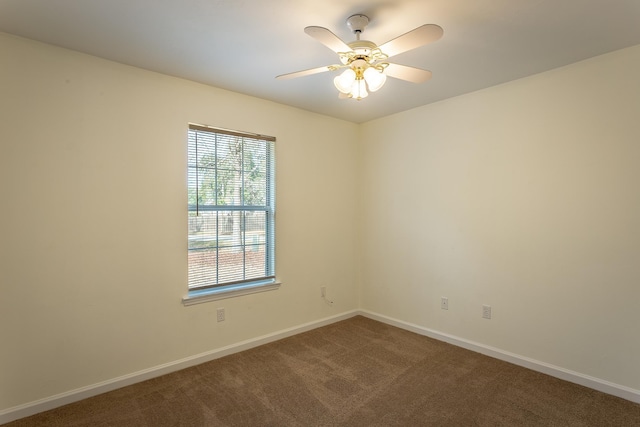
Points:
232	174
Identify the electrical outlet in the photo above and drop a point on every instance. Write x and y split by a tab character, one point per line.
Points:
444	303
486	311
323	294
220	314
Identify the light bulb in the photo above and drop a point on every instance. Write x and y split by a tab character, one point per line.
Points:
359	89
374	78
344	81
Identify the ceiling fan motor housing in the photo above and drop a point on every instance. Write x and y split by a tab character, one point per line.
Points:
362	48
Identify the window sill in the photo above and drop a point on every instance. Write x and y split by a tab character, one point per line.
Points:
206	295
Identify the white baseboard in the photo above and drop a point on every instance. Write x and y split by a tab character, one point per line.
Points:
65	398
535	365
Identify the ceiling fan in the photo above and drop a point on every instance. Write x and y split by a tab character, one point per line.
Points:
366	63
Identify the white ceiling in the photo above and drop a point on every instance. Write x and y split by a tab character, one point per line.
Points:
241	45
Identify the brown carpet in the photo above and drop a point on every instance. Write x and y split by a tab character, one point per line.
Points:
357	372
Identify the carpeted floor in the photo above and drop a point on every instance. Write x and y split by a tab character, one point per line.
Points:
357	372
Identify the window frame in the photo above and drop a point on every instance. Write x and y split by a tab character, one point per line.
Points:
216	291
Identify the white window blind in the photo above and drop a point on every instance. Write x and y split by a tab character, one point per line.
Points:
231	190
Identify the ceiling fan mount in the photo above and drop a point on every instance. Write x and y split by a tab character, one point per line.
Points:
366	63
357	23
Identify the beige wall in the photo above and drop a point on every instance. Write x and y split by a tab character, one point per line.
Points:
93	179
524	197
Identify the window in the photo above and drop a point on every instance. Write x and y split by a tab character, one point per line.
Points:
231	192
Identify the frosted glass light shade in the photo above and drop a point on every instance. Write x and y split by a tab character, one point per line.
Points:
374	78
344	82
359	89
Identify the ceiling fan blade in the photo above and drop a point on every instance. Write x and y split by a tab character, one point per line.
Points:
420	36
410	74
307	72
328	39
